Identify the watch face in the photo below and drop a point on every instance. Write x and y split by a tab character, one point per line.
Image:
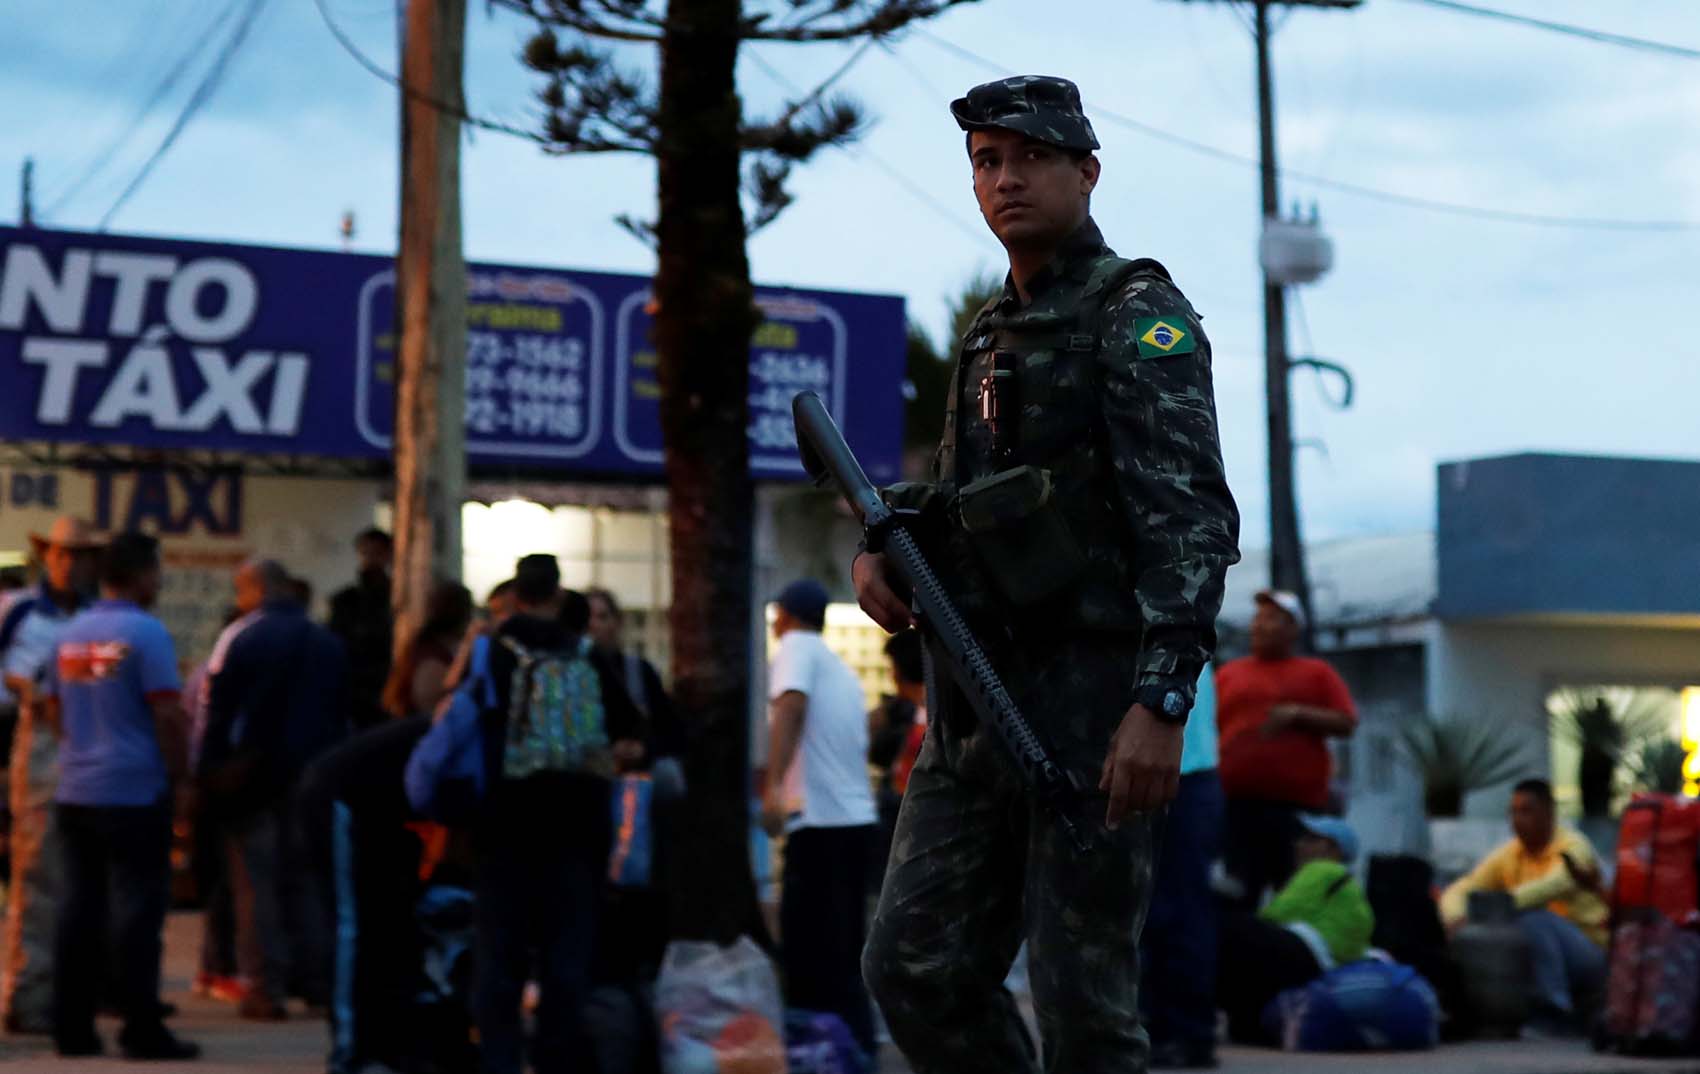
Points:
1174	703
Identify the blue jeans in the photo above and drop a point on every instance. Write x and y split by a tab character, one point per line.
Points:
1178	949
1569	967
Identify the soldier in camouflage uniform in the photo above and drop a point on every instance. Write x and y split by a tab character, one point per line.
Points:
1084	523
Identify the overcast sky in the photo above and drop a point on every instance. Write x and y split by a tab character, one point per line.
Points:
1468	337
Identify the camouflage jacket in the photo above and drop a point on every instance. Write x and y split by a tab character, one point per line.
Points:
1114	402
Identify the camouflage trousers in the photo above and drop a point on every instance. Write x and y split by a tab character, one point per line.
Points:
26	959
977	866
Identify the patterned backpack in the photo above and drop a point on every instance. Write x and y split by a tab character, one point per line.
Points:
556	722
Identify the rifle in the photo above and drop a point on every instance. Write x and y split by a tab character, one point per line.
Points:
828	458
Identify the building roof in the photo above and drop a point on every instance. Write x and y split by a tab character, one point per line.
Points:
1354	581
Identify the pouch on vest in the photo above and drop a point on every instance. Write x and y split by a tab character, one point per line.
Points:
946	548
1019	535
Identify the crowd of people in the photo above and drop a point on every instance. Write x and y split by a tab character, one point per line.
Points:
323	883
329	878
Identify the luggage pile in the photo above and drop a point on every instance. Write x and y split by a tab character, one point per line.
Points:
1652	1002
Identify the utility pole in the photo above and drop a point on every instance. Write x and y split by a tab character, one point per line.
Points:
430	432
26	195
1286	544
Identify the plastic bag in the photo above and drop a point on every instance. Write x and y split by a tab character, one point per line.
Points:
720	1011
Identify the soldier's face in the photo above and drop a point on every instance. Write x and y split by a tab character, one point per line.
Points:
1031	194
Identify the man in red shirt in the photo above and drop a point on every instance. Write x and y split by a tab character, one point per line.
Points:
1276	712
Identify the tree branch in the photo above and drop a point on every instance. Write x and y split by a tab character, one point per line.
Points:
590	105
571	15
641	230
888	17
765	184
796	138
796	107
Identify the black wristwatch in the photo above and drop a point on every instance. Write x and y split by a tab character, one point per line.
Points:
1168	703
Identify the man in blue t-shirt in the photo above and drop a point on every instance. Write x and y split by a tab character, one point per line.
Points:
114	690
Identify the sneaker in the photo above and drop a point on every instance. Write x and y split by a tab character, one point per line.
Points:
227	989
156	1043
258	1008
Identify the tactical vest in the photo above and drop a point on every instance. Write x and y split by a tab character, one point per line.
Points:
1060	430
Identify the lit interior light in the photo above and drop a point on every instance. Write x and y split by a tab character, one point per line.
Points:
1691	740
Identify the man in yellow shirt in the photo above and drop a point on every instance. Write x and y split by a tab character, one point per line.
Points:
1554	876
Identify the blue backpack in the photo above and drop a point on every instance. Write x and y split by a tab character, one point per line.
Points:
445	773
818	1043
1362	1006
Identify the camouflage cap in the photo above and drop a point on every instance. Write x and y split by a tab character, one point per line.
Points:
1042	107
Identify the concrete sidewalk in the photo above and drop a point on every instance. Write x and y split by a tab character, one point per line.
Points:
298	1047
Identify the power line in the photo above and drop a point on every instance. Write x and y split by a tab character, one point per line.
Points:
1392	197
421	96
122	136
203	92
1604	37
909	186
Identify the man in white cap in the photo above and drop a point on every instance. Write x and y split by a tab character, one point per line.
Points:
1276	712
69	555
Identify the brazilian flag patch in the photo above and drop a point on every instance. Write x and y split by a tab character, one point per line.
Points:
1159	336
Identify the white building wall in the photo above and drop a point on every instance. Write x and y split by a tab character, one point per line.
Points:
1504	670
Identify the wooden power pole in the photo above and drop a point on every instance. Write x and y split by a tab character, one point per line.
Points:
1286	543
26	195
430	429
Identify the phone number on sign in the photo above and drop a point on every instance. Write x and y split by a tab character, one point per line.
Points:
524	349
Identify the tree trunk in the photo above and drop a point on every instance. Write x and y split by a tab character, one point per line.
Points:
703	326
430	433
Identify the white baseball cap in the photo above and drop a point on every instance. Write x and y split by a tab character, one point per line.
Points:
1286	601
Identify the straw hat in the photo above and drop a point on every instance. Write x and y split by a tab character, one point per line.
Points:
69	532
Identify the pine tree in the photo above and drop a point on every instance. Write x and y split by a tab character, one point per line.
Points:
711	159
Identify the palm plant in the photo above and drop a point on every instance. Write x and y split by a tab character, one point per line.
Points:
1609	726
1459	754
1658	767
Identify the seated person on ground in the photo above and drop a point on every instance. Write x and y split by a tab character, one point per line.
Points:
1320	920
1553	876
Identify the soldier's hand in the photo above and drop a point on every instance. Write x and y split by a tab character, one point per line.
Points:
1142	770
871	576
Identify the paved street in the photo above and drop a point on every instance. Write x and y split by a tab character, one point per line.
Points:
297	1047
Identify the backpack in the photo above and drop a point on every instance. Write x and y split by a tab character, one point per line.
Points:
444	778
1367	1005
556	721
818	1043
